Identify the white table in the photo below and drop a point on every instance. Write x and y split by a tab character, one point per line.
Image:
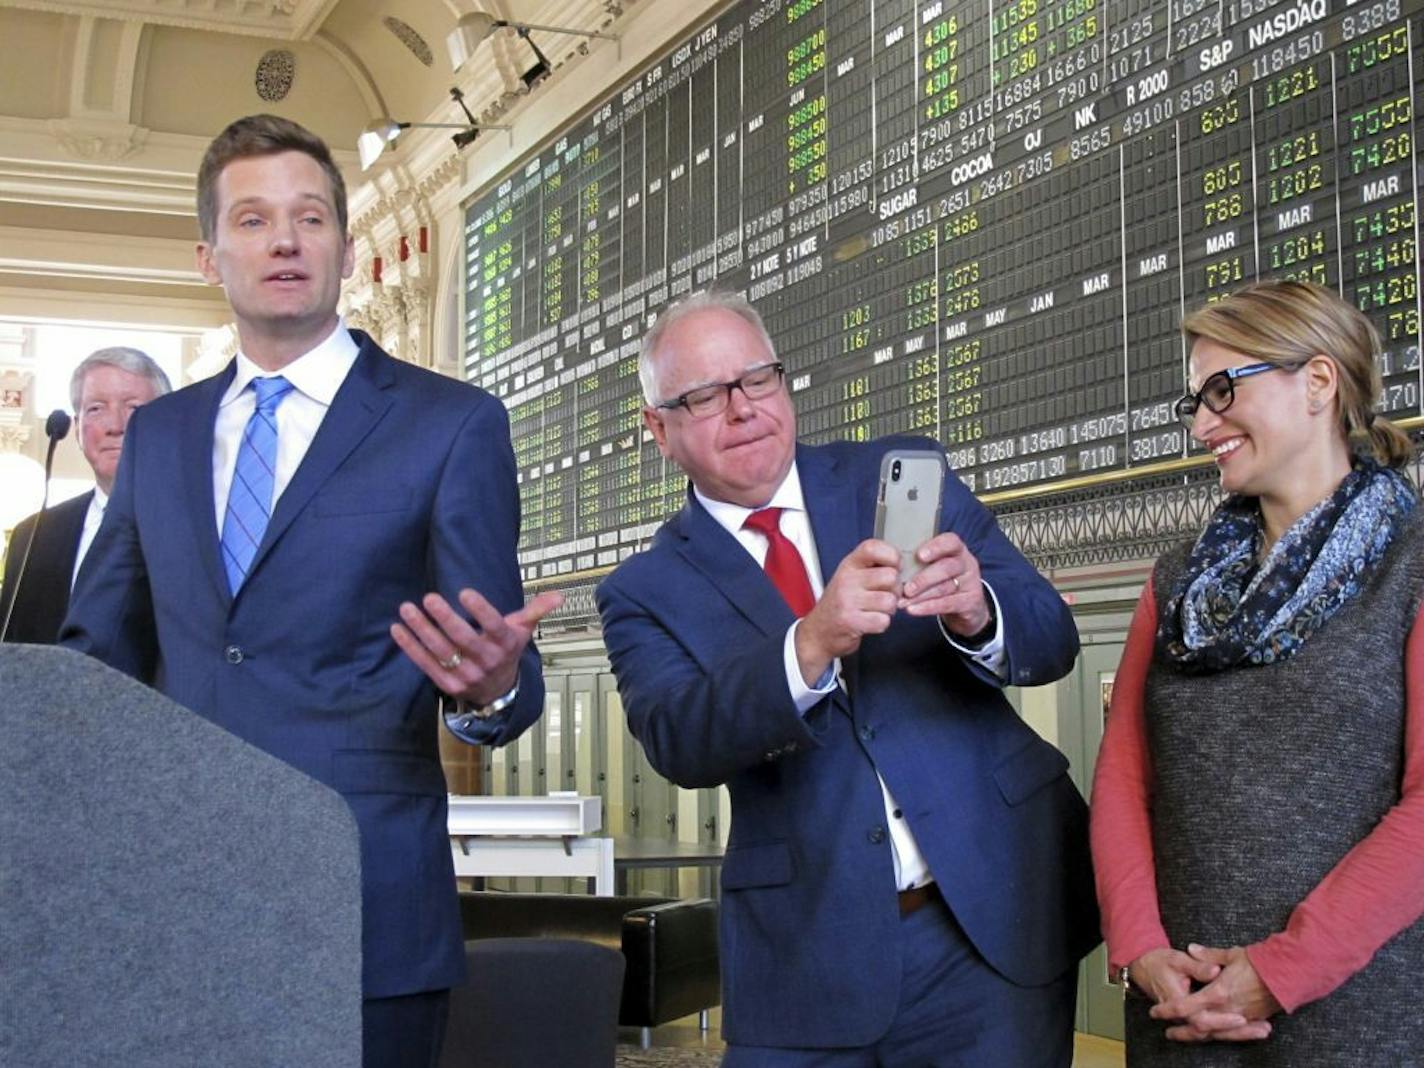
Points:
531	836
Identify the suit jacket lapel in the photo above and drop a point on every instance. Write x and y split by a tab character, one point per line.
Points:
197	443
54	539
834	505
709	548
834	508
355	410
65	529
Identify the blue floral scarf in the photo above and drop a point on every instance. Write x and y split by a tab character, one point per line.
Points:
1226	611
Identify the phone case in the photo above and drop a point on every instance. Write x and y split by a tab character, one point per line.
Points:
907	509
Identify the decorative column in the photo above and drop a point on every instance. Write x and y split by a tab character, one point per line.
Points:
17	385
21	475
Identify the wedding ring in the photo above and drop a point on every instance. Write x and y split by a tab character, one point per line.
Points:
955	579
455	660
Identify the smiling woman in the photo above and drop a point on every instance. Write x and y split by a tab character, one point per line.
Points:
1296	429
1259	796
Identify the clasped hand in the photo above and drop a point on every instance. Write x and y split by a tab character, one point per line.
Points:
865	593
1231	1004
470	664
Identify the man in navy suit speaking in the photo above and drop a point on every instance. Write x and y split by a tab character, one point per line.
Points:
286	546
906	881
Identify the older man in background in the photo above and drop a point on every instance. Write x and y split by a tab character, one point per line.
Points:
104	390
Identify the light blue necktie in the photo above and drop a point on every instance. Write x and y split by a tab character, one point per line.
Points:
249	501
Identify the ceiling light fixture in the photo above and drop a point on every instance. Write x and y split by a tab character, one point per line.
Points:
474	27
382	132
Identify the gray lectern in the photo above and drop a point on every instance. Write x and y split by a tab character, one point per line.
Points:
169	895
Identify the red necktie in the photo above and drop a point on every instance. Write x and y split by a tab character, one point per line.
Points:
784	565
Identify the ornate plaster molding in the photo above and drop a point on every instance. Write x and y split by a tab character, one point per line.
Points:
445	173
215	348
289	20
15	401
98	139
13	380
13	437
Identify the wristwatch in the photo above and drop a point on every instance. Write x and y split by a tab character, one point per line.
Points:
462	712
499	704
1124	979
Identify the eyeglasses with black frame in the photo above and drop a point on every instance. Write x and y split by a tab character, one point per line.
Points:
1218	391
706	401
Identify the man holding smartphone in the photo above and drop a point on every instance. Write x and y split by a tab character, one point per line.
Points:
907	880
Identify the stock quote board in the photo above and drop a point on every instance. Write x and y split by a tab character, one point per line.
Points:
977	221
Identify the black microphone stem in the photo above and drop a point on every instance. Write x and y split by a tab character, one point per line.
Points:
51	426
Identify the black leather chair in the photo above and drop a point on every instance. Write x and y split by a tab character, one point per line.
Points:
669	946
535	1003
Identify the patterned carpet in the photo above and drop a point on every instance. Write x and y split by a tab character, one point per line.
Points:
632	1057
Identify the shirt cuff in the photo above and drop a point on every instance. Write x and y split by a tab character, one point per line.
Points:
803	696
991	655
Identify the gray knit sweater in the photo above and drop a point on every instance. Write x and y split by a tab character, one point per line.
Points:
1266	776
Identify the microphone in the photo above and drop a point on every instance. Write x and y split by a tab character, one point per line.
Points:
56	429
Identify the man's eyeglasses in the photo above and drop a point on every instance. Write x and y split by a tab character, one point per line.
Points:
707	401
1219	390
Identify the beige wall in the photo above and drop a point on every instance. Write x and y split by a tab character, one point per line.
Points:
34	77
183	64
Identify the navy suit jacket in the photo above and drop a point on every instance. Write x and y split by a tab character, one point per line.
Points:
695	632
408	486
44	592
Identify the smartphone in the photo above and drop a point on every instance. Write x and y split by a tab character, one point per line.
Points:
907	510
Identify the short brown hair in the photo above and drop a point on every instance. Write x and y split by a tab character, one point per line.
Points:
261	135
1286	323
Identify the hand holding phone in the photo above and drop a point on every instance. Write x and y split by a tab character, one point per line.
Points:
908	505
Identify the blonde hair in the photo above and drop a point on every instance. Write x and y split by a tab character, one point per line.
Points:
1287	323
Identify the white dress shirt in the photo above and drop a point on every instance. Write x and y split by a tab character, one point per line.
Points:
92	519
910	867
315	376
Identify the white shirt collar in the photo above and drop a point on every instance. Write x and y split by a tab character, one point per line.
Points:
100	501
318	373
731	516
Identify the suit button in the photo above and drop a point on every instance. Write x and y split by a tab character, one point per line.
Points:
867	733
233	654
876	835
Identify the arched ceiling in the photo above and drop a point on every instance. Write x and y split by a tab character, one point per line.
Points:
106	107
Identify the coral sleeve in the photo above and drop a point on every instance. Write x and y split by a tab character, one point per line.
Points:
1121	812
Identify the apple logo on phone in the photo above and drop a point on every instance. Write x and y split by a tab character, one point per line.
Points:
913	494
